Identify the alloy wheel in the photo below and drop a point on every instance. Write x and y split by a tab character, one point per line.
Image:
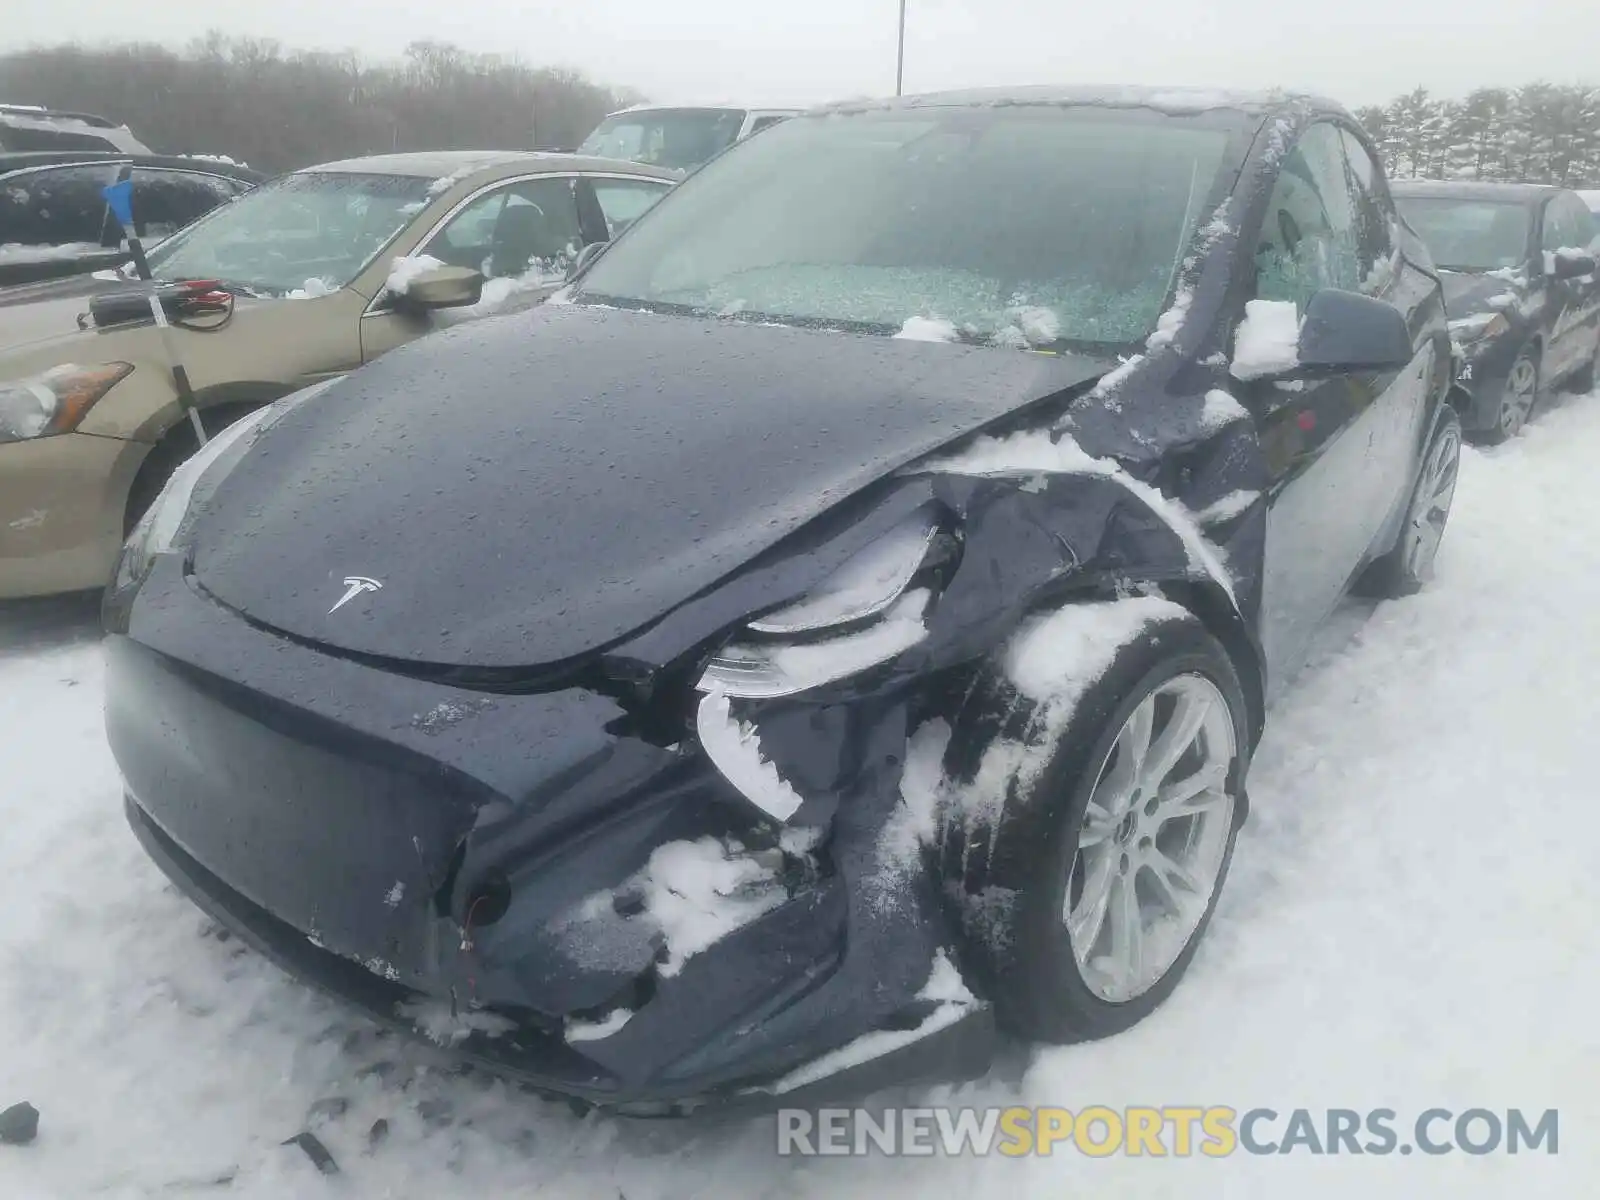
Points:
1154	838
1430	508
1516	405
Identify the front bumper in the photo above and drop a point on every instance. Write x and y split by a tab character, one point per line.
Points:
62	501
489	869
1481	371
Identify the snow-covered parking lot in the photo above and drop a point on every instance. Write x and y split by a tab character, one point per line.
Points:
1410	925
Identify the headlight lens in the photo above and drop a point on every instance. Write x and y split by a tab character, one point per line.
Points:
55	400
864	614
163	524
1478	326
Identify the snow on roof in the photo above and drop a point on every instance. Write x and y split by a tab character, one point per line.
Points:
1166	99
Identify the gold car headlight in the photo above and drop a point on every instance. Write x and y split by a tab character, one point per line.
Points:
54	401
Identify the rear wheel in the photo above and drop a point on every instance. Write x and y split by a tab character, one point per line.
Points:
1113	855
1406	568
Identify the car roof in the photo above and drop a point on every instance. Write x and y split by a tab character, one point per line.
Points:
1178	101
35	112
1454	189
441	164
17	160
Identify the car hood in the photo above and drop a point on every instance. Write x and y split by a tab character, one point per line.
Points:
1467	293
37	312
528	489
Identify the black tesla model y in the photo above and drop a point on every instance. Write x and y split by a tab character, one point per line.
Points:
834	630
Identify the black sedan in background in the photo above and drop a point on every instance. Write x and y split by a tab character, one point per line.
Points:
835	627
55	222
1519	272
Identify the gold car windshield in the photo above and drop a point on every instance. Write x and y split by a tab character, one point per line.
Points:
301	235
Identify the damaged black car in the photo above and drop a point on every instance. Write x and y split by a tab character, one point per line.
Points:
1518	263
831	635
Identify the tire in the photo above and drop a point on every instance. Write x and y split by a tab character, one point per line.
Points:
1406	568
1518	402
1035	857
176	445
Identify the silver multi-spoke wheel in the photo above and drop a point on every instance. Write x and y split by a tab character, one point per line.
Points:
1516	405
1430	507
1154	838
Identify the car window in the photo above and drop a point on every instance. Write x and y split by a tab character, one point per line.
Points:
1308	241
665	137
523	228
164	201
1567	224
761	123
57	207
624	201
1374	216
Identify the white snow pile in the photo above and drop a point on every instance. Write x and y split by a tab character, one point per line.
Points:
1221	409
1057	657
436	1021
313	288
444	183
1228	507
217	158
596	1031
1037	452
25	252
945	986
1267	340
927	329
735	746
691	894
406	269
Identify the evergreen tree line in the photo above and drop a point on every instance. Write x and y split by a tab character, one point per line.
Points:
277	109
1541	133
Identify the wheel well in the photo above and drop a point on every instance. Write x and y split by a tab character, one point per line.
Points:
1216	612
176	443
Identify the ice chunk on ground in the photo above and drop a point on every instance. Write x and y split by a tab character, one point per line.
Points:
1267	340
407	268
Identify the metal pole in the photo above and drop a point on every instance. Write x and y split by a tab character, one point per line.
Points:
900	57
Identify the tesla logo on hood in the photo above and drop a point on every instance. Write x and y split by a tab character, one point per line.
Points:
354	586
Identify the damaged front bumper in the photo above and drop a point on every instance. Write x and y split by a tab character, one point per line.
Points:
539	881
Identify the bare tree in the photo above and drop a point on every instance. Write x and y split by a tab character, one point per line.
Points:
277	108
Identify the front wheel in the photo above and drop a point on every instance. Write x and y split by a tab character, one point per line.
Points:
1518	399
1406	568
1115	833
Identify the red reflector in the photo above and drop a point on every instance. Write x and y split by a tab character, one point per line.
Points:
1307	421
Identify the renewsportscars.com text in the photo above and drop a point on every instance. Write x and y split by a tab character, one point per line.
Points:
1164	1131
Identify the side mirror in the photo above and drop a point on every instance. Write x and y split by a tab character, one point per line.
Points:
585	256
1347	332
440	287
1570	264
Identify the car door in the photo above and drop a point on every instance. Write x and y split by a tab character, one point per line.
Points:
54	221
1573	312
521	233
1326	442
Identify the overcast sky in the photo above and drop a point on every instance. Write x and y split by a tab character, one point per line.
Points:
758	51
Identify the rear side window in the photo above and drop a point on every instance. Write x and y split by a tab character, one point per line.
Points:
1568	224
164	201
761	123
56	207
624	201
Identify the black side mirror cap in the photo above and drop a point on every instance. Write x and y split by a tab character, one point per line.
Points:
1566	264
1347	332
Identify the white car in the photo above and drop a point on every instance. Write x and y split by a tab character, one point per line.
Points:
677	137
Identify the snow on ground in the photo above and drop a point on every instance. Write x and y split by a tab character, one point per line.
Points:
1409	925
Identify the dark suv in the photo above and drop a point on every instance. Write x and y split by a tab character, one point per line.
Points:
54	220
30	127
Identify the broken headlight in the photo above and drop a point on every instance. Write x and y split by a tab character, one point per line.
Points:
867	612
